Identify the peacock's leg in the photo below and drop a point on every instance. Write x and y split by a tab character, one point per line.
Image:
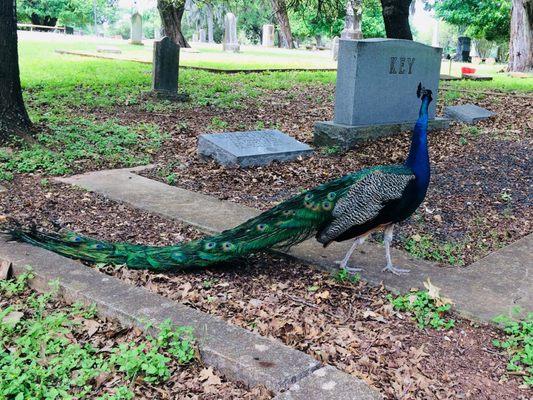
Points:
343	264
387	239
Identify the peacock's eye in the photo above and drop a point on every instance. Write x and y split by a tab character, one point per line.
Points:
226	246
316	207
308	204
77	239
288	212
326	205
308	196
99	246
209	245
177	255
331	196
261	227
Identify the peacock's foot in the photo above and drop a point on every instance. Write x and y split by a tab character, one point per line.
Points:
395	270
344	265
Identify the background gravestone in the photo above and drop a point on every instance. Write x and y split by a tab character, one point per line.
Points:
136	29
202	34
165	67
246	149
267	39
335	48
376	89
230	33
468	113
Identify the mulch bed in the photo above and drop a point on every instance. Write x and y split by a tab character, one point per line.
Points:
479	197
350	326
104	334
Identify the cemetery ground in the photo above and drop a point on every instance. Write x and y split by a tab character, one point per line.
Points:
92	115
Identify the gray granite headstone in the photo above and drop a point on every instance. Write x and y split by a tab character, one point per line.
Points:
268	36
468	113
165	66
136	29
231	42
246	149
377	81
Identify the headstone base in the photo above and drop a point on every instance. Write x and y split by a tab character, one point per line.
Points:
328	133
165	95
231	47
135	42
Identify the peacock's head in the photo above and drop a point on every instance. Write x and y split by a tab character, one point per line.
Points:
422	92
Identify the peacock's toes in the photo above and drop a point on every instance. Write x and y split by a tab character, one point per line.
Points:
395	270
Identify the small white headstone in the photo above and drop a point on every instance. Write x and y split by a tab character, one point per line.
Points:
136	29
268	36
335	48
231	42
202	35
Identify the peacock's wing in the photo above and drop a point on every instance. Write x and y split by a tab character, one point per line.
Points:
365	199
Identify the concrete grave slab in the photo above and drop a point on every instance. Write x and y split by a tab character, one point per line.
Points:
3	189
328	383
246	149
468	113
487	288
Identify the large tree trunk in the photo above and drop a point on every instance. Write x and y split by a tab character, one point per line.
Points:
171	12
396	18
14	120
280	9
521	44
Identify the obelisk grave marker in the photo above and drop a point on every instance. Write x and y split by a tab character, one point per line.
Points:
376	90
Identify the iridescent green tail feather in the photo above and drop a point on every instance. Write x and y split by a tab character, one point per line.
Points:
283	226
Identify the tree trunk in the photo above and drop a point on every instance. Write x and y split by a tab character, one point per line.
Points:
280	9
521	43
14	120
171	12
396	18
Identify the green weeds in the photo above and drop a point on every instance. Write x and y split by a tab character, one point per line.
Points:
518	344
79	140
427	307
41	359
426	247
343	276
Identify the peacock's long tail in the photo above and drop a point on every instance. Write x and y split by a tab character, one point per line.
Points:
283	226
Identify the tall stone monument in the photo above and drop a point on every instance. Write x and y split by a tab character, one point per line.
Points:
268	36
231	42
376	90
352	23
136	36
165	67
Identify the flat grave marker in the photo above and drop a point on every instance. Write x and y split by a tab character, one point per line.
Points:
108	49
253	148
468	113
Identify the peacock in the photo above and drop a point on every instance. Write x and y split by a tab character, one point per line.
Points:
350	207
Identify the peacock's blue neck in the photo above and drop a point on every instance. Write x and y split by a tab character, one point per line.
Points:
418	159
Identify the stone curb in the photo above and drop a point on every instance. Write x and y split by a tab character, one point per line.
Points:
492	286
239	354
